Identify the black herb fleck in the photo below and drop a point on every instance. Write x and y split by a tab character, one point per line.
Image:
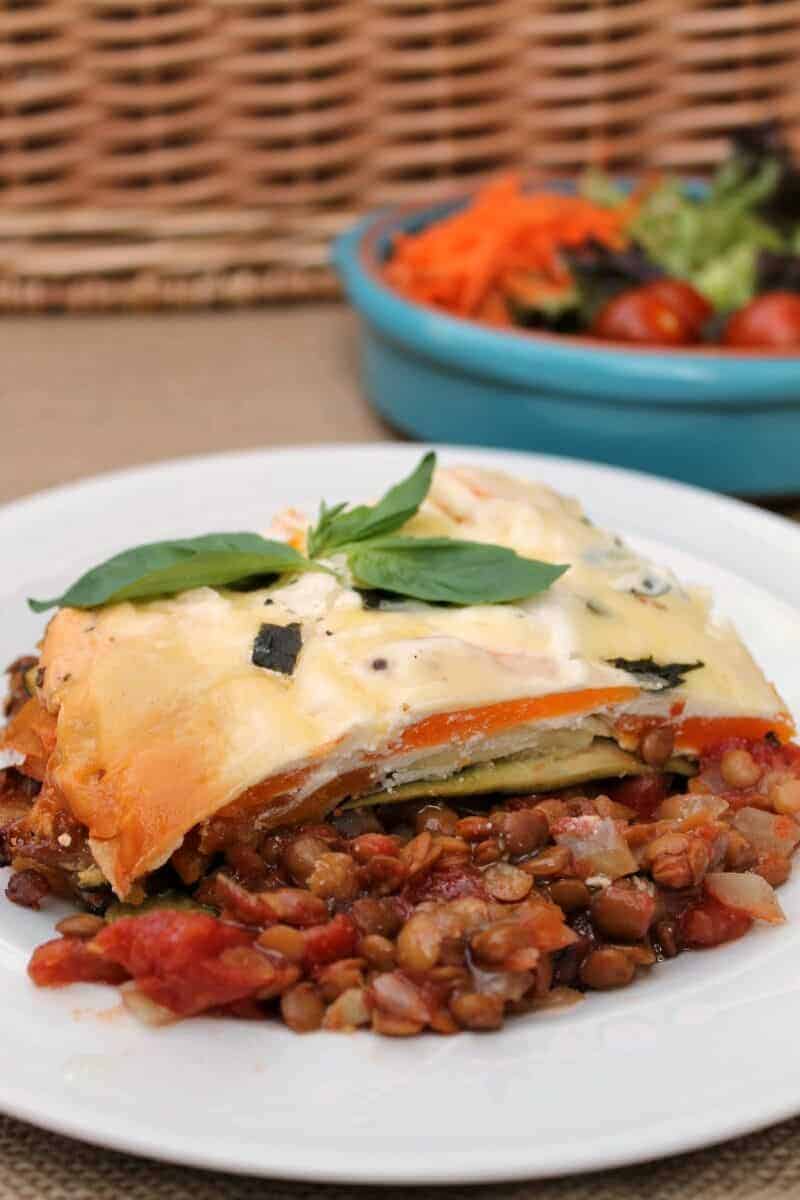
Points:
773	740
597	609
653	676
276	647
374	597
379	664
268	600
252	583
651	585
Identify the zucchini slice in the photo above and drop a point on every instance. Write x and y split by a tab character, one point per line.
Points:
175	901
527	773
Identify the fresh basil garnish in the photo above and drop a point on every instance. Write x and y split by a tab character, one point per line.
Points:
452	572
439	570
339	526
164	568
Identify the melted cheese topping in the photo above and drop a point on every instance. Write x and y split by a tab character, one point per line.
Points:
164	721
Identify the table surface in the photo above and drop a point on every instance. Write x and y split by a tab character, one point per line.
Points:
87	394
81	395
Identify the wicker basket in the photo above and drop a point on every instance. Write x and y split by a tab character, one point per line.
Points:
194	152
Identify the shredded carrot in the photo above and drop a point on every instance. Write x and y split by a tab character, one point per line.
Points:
460	264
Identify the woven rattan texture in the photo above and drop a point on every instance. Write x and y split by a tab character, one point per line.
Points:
40	1166
193	152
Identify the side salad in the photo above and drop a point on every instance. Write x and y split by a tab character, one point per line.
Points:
665	263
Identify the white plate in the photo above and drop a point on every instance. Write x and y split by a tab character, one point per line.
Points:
703	1048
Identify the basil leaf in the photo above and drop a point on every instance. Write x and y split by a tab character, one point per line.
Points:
326	523
163	568
450	571
336	528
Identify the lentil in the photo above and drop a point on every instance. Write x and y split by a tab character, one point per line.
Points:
376	916
739	769
739	853
285	940
570	895
549	864
784	797
302	1008
436	818
419	943
622	913
474	829
657	746
521	831
82	925
486	852
333	877
300	856
507	883
472	1010
495	944
378	951
606	968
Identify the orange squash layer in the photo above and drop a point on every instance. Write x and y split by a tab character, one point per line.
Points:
494	718
31	732
696	735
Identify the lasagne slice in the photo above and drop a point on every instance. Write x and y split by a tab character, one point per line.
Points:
211	716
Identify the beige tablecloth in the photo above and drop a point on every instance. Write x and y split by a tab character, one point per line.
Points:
83	395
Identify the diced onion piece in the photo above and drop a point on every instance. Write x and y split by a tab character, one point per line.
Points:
556	998
767	832
348	1010
702	805
745	892
597	846
510	985
145	1009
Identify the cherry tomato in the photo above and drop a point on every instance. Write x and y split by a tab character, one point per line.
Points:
770	321
684	300
640	316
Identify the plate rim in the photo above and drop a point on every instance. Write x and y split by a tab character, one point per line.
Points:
353	1169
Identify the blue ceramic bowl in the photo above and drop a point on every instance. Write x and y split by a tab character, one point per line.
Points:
728	420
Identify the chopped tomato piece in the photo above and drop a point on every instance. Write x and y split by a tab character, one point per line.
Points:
166	941
451	881
710	923
643	793
238	973
545	926
189	962
368	845
326	943
72	960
